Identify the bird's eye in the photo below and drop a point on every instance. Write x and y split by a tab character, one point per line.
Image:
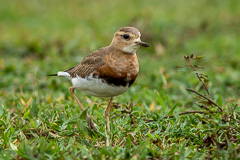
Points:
126	36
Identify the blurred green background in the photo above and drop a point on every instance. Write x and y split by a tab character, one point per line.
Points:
42	37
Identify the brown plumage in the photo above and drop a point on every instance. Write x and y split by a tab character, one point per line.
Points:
111	65
108	71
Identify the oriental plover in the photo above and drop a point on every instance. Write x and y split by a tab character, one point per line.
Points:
108	71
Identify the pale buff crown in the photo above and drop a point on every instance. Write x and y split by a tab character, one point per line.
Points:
127	39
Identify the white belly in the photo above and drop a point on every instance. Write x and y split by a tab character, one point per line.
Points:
96	87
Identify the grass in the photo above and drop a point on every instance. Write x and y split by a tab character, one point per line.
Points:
40	120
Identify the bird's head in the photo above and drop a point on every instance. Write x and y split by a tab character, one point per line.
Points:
128	40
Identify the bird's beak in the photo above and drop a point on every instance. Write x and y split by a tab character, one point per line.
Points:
144	44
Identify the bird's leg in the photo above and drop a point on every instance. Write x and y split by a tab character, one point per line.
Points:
90	122
107	113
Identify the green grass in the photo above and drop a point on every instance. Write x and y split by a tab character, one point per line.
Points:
42	37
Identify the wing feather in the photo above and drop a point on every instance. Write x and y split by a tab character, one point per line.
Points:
89	64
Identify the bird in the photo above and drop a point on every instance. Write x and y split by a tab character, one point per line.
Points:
107	72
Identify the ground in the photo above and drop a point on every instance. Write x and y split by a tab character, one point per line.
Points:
40	120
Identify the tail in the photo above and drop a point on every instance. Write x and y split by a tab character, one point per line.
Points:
52	75
62	74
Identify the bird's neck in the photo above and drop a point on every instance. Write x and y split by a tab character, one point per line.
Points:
123	50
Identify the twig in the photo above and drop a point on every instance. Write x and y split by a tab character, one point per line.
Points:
234	140
182	113
187	112
191	65
125	111
204	107
209	100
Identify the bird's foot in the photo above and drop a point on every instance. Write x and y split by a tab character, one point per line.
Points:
91	124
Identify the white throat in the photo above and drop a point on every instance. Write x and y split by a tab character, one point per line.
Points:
132	48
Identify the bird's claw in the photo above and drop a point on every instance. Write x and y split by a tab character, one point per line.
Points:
91	124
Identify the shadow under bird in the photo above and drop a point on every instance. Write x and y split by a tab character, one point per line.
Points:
108	71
